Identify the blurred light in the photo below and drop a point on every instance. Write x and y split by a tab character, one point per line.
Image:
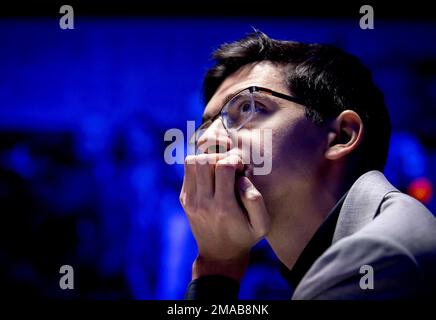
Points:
20	161
421	189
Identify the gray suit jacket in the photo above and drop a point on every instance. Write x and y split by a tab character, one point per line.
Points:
381	235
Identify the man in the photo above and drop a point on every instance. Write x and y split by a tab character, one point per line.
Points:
340	229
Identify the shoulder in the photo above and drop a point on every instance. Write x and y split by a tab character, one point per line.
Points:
405	221
398	246
373	207
337	274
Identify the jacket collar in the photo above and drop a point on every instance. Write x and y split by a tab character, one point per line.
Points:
362	203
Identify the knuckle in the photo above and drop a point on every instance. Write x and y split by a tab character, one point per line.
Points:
187	202
202	205
201	159
221	216
190	210
254	196
224	165
233	159
189	160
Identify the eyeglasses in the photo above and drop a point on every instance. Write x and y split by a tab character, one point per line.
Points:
240	109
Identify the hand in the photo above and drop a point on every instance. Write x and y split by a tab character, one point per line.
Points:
224	231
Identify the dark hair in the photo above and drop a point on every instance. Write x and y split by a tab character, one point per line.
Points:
328	80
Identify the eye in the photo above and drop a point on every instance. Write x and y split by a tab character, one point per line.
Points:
245	107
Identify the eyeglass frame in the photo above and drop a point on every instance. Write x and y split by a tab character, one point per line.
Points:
252	89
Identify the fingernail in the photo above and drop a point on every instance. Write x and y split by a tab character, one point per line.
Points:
244	184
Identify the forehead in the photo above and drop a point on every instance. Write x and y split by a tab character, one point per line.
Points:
262	74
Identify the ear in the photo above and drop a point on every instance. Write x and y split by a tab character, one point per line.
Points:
345	135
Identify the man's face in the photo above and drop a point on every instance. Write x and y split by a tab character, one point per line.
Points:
297	144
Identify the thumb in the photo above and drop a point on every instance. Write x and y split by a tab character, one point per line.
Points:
255	206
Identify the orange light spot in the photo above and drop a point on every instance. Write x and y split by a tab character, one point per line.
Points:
421	189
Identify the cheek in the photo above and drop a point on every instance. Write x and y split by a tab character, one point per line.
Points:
297	150
292	152
257	148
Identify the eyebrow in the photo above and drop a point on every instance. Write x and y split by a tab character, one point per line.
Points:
227	98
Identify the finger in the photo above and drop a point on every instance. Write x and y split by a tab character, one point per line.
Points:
189	180
205	183
225	171
255	206
205	173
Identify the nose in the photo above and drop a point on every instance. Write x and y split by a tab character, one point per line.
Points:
215	139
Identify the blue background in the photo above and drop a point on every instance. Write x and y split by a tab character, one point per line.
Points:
83	113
